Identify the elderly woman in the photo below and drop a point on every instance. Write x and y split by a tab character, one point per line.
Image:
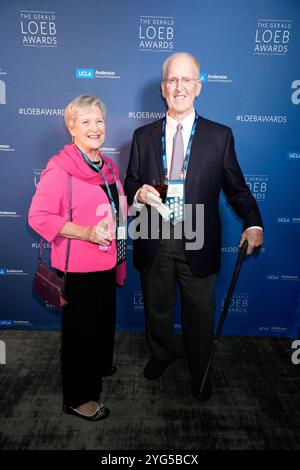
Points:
97	201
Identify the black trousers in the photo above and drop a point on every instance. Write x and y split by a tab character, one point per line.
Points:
88	331
159	287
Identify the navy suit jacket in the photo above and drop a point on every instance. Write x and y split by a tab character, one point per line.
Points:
213	167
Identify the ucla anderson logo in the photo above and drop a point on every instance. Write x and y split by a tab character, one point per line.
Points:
284	220
85	73
214	77
293	155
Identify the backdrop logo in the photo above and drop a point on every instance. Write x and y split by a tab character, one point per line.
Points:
279	329
214	77
296	94
283	277
92	73
287	220
263	328
15	272
238	304
138	301
290	277
284	220
38	28
85	73
156	33
258	185
9	214
6	148
106	74
36	175
294	155
6	322
2	92
110	150
2	272
272	37
22	322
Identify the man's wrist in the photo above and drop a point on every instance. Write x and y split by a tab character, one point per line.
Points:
136	204
257	227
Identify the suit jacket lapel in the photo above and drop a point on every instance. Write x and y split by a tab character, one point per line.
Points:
199	144
156	140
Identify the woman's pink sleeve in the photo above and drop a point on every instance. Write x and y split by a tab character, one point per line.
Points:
47	214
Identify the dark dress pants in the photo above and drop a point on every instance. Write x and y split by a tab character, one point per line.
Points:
159	287
88	332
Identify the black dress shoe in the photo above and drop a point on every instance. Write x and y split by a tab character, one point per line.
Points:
206	393
101	412
155	368
107	373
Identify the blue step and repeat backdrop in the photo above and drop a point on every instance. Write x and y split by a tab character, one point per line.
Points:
54	50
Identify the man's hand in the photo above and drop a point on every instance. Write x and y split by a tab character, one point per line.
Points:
142	195
255	239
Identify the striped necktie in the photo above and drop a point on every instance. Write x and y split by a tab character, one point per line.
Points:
177	154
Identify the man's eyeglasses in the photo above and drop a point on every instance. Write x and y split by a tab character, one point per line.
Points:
186	81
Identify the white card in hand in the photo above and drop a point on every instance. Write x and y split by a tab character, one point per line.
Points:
154	198
161	208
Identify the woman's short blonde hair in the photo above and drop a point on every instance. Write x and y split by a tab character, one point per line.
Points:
80	103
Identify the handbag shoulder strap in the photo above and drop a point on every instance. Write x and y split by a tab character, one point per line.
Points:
70	220
70	211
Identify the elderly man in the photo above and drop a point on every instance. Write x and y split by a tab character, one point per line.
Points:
196	158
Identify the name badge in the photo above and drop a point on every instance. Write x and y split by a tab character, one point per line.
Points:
121	232
175	200
175	189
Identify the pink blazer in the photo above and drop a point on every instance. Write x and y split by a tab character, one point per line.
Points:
49	212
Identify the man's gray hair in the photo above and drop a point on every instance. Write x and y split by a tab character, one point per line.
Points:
166	63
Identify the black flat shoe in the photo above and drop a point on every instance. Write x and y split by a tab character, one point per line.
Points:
110	372
101	412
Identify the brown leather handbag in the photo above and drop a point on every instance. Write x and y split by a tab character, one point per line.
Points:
48	286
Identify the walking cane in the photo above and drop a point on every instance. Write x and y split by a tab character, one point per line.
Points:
239	262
